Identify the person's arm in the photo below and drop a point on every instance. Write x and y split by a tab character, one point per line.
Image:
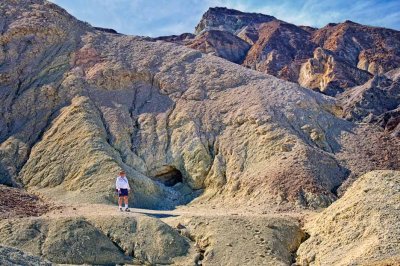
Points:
117	185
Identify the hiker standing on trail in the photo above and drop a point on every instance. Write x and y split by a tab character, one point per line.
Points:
122	186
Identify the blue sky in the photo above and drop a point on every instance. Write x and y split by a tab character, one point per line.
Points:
166	17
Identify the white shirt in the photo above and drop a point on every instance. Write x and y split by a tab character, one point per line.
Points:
122	182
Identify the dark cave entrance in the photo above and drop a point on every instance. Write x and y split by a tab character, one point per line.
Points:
170	176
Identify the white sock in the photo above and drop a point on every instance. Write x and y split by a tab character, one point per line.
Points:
126	206
120	206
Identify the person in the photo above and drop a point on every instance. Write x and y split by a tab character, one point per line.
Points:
122	186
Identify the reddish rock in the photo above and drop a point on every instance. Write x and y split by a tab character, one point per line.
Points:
15	202
373	49
279	48
348	54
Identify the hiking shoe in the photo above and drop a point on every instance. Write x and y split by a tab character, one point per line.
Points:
127	210
121	209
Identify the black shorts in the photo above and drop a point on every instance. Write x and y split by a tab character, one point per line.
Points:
123	192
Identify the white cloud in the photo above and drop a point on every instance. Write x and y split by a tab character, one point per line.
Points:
164	17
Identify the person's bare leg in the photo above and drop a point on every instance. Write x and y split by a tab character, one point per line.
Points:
120	202
126	202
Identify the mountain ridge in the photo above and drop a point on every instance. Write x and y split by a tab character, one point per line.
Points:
331	60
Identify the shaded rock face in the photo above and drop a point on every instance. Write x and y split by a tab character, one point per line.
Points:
278	49
361	228
87	103
222	44
98	240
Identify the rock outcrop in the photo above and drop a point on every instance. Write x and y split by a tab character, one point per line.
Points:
328	74
372	49
377	101
361	228
233	21
95	240
87	103
12	256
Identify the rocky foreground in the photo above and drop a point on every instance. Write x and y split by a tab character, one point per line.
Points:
359	229
255	155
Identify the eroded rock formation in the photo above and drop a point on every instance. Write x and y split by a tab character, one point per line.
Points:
96	240
80	103
86	103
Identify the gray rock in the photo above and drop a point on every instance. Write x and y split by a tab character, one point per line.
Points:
11	256
95	240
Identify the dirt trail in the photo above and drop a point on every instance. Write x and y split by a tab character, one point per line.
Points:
88	210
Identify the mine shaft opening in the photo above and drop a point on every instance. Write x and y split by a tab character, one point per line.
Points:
170	177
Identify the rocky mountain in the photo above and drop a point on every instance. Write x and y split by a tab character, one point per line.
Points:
72	93
230	20
331	60
81	103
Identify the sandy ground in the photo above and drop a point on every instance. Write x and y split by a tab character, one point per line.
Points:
87	210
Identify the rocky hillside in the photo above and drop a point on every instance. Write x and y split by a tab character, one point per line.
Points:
361	228
81	103
377	102
248	151
331	60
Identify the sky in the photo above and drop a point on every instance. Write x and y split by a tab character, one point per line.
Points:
166	17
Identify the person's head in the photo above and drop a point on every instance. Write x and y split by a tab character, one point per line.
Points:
122	173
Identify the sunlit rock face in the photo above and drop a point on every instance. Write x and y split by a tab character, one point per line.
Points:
360	228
